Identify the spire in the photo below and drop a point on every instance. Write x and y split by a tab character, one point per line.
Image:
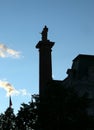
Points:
10	102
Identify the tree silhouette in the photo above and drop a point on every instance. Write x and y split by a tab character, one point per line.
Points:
27	117
7	120
1	121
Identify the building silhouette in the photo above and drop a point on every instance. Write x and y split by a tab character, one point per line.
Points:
80	75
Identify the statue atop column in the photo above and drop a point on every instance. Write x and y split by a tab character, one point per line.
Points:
44	33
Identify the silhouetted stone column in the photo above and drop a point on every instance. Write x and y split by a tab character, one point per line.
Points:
45	62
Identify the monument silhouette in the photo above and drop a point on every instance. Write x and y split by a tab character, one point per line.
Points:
80	76
45	61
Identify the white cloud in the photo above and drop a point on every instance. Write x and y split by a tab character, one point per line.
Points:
8	52
8	87
23	92
10	90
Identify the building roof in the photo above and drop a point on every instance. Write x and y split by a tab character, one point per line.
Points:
84	56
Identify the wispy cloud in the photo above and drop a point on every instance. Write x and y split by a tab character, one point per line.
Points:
10	90
23	92
8	52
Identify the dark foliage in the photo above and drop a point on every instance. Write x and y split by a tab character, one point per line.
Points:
7	120
27	116
61	108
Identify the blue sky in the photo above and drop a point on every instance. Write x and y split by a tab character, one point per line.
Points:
71	27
